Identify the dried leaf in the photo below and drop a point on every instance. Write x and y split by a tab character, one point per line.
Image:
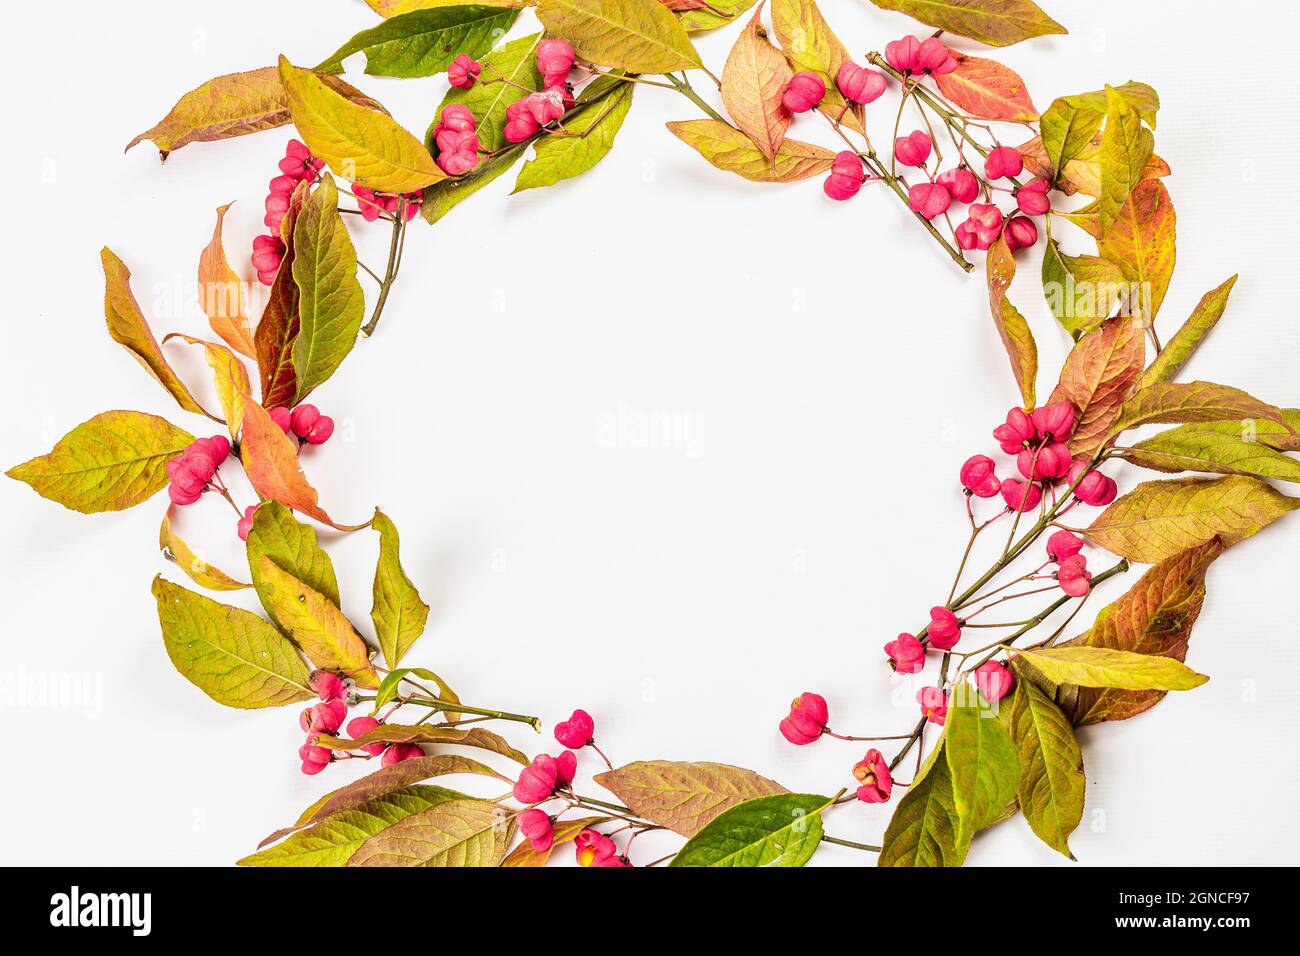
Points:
1011	325
729	149
398	613
1188	337
684	796
175	549
270	458
640	36
1098	376
987	89
753	80
234	657
428	734
331	303
1158	519
280	321
315	624
1141	243
221	292
110	462
991	22
360	145
127	326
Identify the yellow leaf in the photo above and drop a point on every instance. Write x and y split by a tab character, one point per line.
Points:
399	614
315	624
394	8
229	376
1141	242
176	550
221	293
1011	325
1099	374
127	326
728	148
1185	341
1126	146
753	80
640	36
361	145
270	459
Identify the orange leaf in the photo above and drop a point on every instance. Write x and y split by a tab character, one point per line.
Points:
221	294
1141	242
753	80
1099	374
270	458
987	89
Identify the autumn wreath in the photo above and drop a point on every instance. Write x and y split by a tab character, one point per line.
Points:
974	164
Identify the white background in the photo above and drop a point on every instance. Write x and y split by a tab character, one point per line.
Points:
832	367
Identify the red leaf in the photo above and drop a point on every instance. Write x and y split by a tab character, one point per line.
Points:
987	89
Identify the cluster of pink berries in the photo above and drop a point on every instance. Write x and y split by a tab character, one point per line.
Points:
456	137
328	716
298	165
305	423
545	778
808	720
193	470
373	204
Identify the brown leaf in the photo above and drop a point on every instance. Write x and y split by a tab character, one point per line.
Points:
684	796
270	459
280	321
753	80
221	293
1154	617
987	89
1011	325
127	326
1099	374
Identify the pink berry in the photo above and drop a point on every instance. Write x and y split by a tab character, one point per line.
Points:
928	199
1062	545
1021	496
537	827
978	476
807	719
321	431
906	654
245	524
1073	576
299	163
327	685
400	752
804	91
458	118
538	781
1021	233
1055	422
217	448
993	680
520	123
961	183
314	758
463	71
934	704
934	57
182	497
368	203
873	777
576	732
457	153
1032	198
944	628
554	61
592	848
1018	432
859	84
901	54
280	415
302	419
358	727
1003	161
1047	463
912	149
324	718
1091	487
982	227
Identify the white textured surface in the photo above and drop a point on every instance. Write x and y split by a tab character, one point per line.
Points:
825	368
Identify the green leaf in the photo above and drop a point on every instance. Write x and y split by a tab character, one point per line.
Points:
461	832
1051	766
234	657
424	42
443	196
924	830
1068	128
334	840
729	149
684	796
331	303
1142	97
1173	403
1157	519
292	546
127	327
718	13
1188	337
982	763
562	157
398	613
781	830
110	462
361	145
1225	448
1081	291
1126	145
992	22
315	623
387	691
640	36
1104	667
516	62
